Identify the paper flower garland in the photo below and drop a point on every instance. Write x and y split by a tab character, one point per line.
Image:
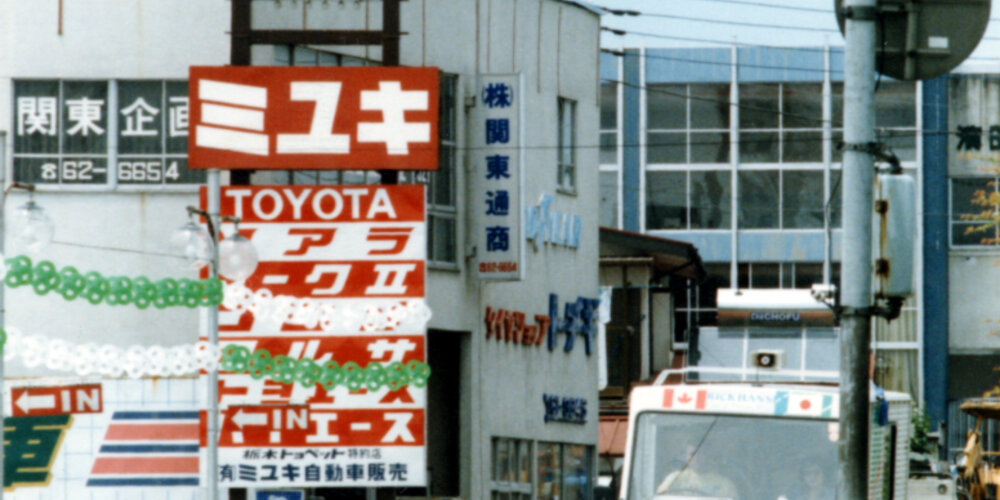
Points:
308	373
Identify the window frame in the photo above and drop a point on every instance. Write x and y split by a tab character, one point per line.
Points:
566	157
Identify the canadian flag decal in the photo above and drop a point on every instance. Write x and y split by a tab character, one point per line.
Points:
689	399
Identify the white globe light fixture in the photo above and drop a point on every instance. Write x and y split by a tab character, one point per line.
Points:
237	256
194	243
32	228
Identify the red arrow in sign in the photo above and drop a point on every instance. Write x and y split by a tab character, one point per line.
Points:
59	400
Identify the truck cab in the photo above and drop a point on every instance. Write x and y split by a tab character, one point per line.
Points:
758	418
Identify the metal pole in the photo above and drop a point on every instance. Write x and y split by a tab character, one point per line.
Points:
212	323
3	311
855	341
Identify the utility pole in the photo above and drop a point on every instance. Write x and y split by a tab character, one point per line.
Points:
856	294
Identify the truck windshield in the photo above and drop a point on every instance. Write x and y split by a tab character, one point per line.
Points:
683	456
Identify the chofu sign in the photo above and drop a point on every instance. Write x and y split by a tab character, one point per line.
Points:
319	118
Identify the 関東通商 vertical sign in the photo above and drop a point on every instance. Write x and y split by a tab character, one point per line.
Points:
497	177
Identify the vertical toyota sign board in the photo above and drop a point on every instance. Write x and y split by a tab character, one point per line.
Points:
360	249
352	255
497	177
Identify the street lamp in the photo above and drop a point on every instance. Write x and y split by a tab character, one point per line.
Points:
32	230
237	255
236	259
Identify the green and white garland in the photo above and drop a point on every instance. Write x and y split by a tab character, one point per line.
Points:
190	359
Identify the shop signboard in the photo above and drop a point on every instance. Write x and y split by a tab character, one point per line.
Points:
358	252
497	177
101	134
264	117
87	437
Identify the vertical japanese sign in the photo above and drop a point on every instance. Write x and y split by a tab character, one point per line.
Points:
98	132
357	254
498	177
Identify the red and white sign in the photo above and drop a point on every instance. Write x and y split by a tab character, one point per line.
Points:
265	117
334	245
37	401
684	399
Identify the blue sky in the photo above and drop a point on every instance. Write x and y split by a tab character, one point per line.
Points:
821	27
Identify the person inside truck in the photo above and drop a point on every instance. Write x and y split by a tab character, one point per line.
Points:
697	476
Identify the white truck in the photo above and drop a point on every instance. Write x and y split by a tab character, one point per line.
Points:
759	430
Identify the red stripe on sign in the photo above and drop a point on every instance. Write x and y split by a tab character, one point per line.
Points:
700	402
146	465
668	398
153	432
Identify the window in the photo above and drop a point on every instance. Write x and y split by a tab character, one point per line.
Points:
608	211
759	195
511	469
687	123
972	198
674	202
567	145
781	123
609	124
441	210
521	469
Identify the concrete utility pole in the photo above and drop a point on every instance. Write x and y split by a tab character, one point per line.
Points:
856	294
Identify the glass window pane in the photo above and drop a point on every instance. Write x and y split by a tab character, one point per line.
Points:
442	231
759	105
502	459
897	371
836	198
837	148
442	179
964	192
609	199
446	107
808	274
710	148
787	274
802	105
895	104
666	106
837	103
666	148
802	199
758	198
666	200
549	472
711	199
901	142
577	471
802	147
609	148
710	106
609	105
971	233
524	467
764	275
758	147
